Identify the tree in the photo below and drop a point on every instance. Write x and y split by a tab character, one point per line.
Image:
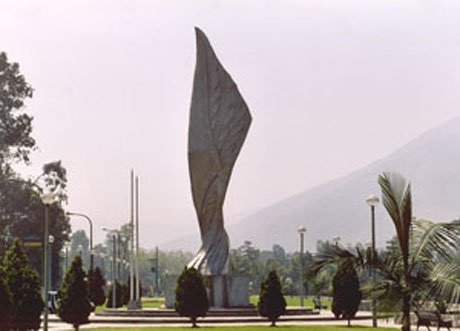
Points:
96	287
24	284
346	295
119	296
15	139
418	269
191	297
73	303
6	303
271	300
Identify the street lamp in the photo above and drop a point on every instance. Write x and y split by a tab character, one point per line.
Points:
301	230
91	259
48	198
336	240
51	241
114	234
80	249
373	201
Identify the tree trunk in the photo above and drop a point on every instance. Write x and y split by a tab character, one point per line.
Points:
406	313
349	322
273	320
194	322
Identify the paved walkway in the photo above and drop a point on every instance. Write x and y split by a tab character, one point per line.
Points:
56	325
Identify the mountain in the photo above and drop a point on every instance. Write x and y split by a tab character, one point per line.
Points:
430	162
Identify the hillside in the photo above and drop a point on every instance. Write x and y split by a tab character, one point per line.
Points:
431	162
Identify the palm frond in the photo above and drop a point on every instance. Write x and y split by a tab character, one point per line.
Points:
432	240
445	279
397	200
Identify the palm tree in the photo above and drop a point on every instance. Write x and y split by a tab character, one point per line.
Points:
417	267
425	251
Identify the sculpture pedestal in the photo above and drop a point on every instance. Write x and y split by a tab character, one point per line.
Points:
223	290
135	304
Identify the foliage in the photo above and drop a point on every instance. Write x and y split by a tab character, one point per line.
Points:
119	296
191	297
271	300
417	267
96	285
6	303
346	295
73	303
15	139
24	285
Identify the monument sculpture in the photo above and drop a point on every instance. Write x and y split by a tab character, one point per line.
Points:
219	123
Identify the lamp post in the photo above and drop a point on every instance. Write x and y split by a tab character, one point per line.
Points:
91	251
373	201
66	246
114	234
50	278
301	230
47	198
80	249
336	240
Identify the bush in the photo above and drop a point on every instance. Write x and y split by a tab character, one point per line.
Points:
191	297
24	285
96	287
6	302
346	295
271	300
73	302
119	296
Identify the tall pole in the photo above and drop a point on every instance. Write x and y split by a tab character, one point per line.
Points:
131	263
91	252
45	267
372	201
374	303
156	270
301	230
114	272
301	269
66	256
138	298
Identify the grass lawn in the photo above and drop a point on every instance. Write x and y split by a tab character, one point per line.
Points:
253	328
156	302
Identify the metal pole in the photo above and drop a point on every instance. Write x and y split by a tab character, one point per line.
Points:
156	270
138	297
45	267
301	269
118	257
114	270
374	303
131	264
66	257
91	260
50	271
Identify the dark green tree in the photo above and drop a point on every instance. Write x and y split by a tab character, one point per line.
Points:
119	296
96	287
346	295
73	302
15	139
24	285
6	303
271	300
191	297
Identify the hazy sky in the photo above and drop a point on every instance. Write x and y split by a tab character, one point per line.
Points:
331	85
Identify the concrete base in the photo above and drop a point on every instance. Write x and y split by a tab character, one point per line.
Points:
223	290
135	304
